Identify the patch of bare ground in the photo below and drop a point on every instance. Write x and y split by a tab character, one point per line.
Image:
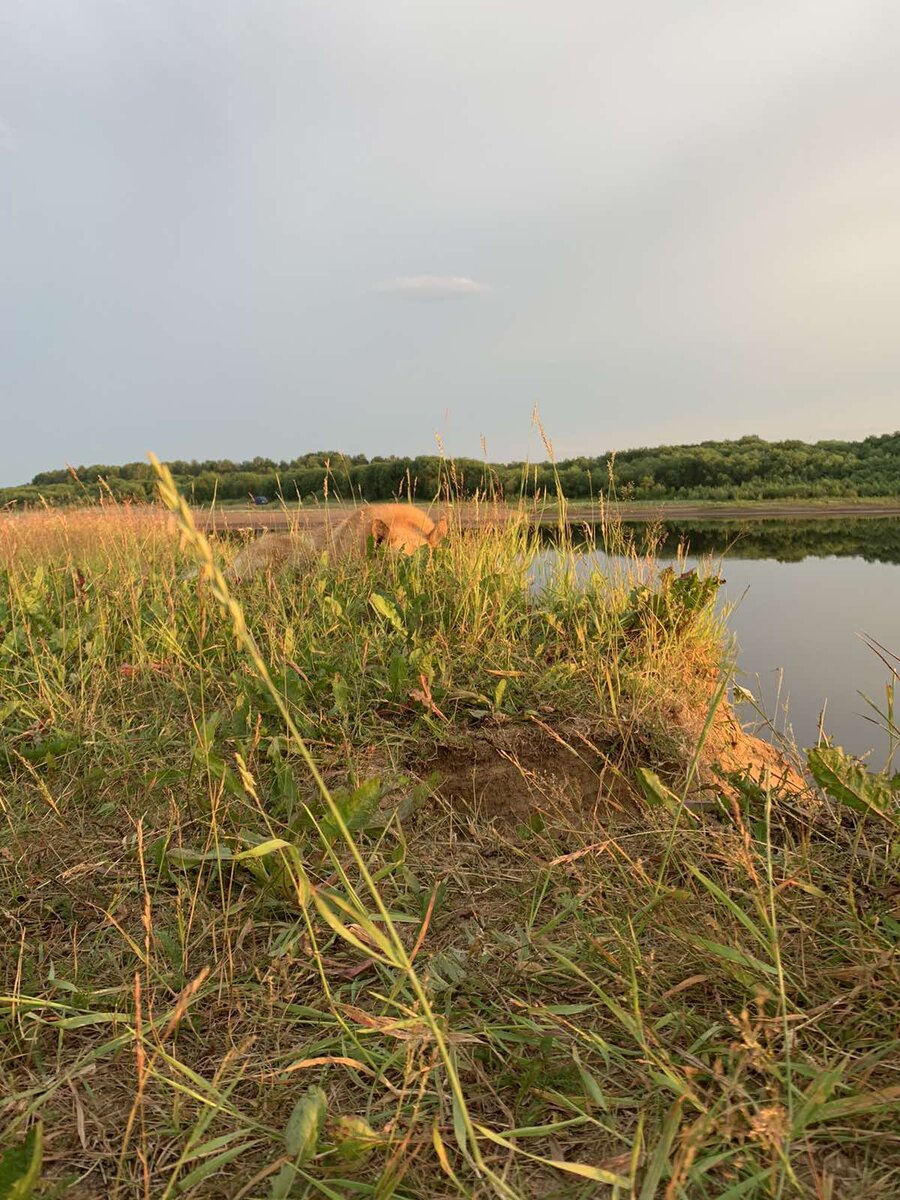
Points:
508	770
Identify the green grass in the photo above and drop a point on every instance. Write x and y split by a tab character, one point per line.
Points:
399	879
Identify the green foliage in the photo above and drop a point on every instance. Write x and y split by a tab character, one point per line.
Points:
852	784
746	469
20	1166
655	791
672	604
301	1136
634	992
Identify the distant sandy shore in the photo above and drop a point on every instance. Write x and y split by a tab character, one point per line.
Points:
275	517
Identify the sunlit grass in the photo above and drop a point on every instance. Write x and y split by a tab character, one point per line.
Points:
404	878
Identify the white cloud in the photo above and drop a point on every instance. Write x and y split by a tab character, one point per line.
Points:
432	287
8	140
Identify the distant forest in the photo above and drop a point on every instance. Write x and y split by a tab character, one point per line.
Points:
746	469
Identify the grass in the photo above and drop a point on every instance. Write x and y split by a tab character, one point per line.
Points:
402	879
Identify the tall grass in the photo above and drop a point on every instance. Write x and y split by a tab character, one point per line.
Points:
408	878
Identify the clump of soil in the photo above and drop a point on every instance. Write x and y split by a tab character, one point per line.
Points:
728	749
507	770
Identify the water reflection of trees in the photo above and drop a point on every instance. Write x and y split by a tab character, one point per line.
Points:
875	539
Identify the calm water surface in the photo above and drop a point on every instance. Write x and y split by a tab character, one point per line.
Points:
798	622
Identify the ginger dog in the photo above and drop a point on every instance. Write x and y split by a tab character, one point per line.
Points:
400	527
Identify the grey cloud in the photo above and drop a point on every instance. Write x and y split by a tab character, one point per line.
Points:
687	218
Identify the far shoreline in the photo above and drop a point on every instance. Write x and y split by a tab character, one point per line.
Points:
277	516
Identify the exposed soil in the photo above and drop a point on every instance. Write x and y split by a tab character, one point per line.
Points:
729	749
507	771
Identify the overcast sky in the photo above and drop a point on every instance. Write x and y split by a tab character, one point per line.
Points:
277	226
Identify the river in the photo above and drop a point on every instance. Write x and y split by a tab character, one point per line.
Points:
803	594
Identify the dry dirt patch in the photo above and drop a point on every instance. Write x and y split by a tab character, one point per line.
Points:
507	771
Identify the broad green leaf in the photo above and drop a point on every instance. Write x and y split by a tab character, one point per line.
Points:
354	1138
206	733
82	1020
301	1134
264	848
398	674
847	781
341	693
357	808
655	791
386	609
182	856
282	1183
294	872
20	1166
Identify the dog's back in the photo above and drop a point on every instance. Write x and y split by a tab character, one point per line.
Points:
270	552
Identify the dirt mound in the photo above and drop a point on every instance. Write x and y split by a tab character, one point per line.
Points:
728	749
507	770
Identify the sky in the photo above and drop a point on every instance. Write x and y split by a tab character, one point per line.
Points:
278	226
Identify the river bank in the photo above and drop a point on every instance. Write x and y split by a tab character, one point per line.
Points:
468	514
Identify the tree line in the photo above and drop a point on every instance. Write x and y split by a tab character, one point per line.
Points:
748	468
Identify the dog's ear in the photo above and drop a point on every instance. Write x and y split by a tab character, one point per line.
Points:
380	530
438	533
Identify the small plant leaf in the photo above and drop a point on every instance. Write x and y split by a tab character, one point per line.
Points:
354	1138
846	780
357	808
386	609
655	791
183	856
341	693
20	1166
282	1183
263	848
301	1134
